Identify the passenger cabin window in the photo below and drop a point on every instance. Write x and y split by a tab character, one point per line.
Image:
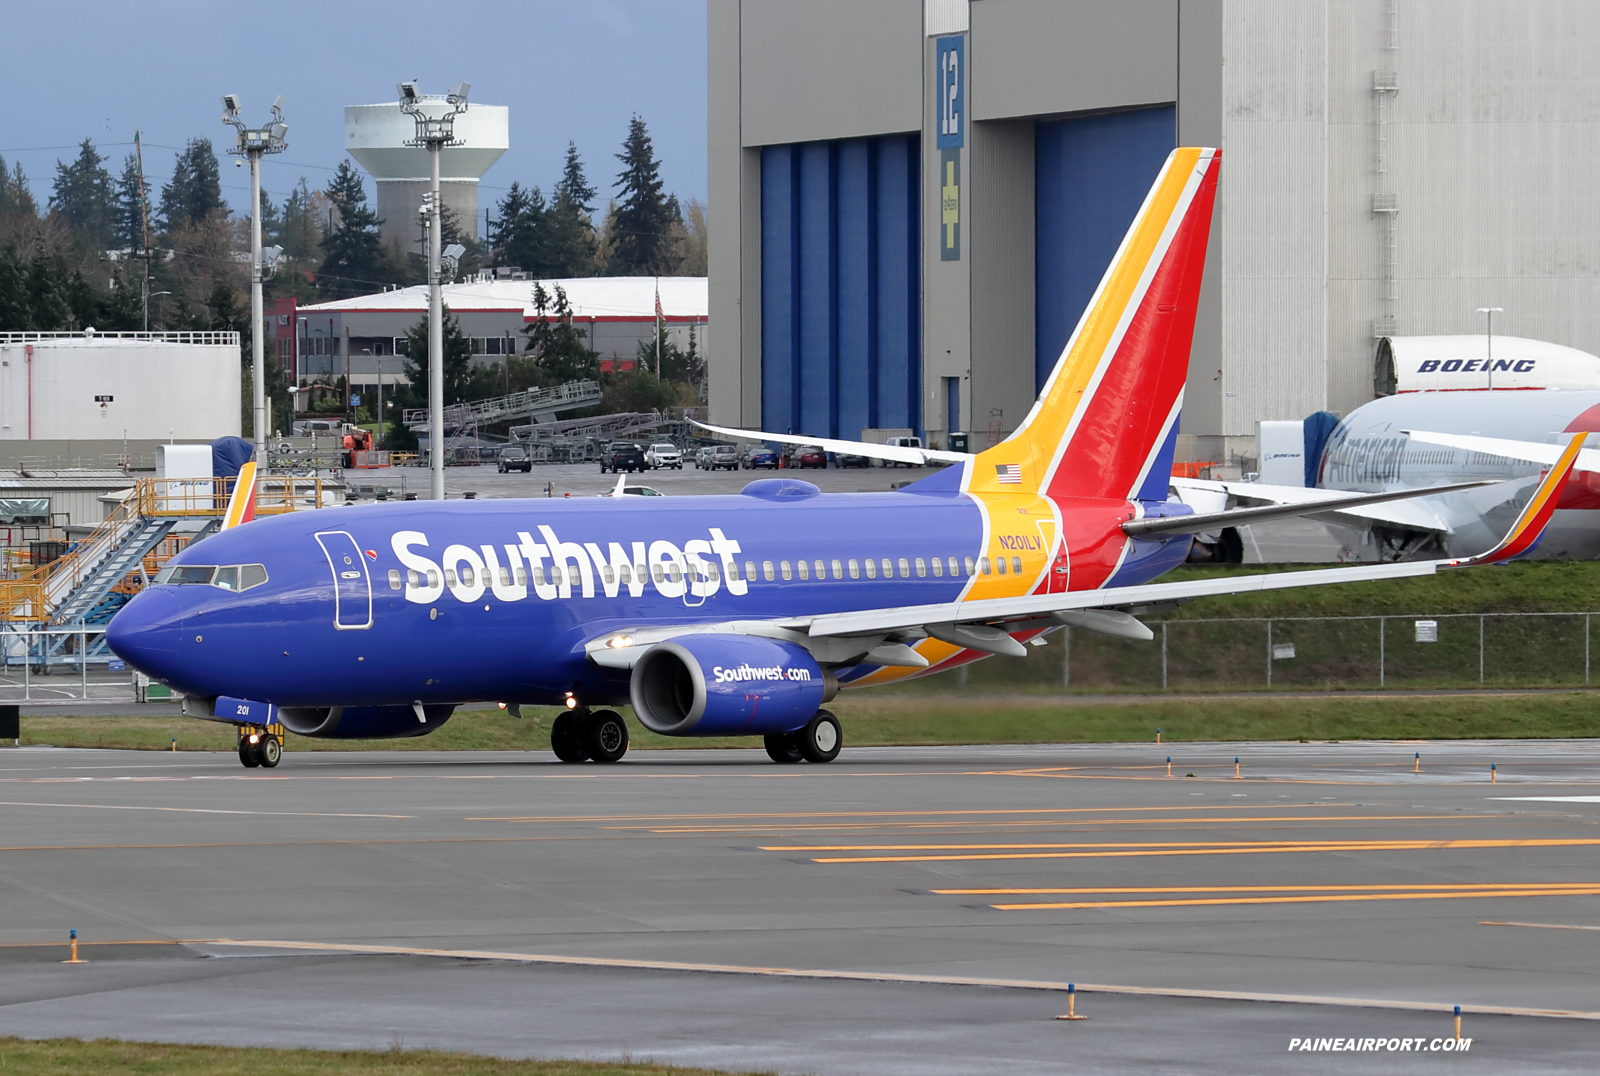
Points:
938	568
805	570
712	573
855	570
505	577
750	570
766	571
888	568
450	577
838	570
657	573
905	568
922	568
1016	565
822	571
955	569
394	578
1000	565
983	565
972	566
872	568
608	574
520	574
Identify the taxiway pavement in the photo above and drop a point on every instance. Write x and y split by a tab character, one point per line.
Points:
902	910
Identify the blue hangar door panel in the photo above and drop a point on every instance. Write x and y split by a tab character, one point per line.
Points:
1090	177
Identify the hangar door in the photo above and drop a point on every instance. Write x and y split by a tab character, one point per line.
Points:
1090	177
841	305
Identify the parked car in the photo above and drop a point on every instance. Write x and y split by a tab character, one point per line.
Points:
809	456
635	491
724	456
759	455
622	456
845	459
664	454
905	442
515	458
702	457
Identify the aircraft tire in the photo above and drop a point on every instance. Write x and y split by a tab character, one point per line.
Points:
819	741
269	751
248	756
566	738
605	736
782	748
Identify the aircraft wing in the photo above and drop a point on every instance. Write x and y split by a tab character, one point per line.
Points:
1320	504
891	453
1207	521
1531	451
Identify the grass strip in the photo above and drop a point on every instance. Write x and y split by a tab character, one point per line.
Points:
107	1057
898	719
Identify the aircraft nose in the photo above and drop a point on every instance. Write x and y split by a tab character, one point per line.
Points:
144	633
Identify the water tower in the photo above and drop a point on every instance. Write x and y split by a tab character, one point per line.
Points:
376	136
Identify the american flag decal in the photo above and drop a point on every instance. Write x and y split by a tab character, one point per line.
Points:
1008	474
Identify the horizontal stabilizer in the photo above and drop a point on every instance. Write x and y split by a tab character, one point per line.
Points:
1207	521
891	453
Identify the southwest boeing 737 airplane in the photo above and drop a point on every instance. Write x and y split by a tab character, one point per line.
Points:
741	614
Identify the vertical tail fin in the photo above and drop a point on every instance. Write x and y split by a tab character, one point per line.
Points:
242	505
1107	419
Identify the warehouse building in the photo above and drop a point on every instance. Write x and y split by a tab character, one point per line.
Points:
913	200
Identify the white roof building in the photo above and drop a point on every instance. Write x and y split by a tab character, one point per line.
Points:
1465	362
616	312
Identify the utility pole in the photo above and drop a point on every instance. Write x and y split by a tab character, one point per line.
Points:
435	133
252	144
144	221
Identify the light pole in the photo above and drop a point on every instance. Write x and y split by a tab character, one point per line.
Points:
252	143
434	132
1488	313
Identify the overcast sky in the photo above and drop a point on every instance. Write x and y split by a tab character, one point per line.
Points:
101	69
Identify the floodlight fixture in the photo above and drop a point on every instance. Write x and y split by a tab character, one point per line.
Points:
454	251
230	106
270	256
407	92
458	93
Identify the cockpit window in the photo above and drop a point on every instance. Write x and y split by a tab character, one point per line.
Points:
227	577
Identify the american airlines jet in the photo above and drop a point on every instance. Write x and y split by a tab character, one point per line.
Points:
741	614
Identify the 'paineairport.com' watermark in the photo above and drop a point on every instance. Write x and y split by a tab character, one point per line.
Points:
1369	1046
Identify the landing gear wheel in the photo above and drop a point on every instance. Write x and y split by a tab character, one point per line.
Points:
782	747
821	739
566	738
249	755
269	751
605	736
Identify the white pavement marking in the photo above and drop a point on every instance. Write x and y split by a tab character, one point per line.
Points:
198	810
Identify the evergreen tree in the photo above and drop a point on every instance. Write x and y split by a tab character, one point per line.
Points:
520	235
196	187
457	360
569	229
122	308
15	315
15	195
49	307
681	365
555	344
83	198
300	234
353	259
644	218
271	222
131	197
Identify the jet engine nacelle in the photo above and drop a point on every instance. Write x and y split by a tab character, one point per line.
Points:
363	722
727	685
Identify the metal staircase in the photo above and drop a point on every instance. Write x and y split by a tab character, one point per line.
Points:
541	405
140	535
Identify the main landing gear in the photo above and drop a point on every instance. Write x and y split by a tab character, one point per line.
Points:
583	734
260	746
818	740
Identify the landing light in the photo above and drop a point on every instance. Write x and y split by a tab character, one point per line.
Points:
254	738
617	642
572	703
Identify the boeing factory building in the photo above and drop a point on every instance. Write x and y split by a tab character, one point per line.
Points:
913	200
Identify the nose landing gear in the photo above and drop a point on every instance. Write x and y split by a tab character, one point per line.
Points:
260	745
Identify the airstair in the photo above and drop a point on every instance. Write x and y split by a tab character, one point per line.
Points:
541	405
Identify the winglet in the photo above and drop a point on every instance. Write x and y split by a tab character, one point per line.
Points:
1525	532
242	505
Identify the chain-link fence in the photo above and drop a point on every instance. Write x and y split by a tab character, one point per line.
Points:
63	665
1454	650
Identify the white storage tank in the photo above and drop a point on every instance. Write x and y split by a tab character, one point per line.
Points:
107	386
